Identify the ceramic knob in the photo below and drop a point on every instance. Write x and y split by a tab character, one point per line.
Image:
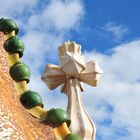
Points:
8	25
20	72
57	116
14	45
31	99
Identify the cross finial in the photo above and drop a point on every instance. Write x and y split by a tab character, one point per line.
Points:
72	71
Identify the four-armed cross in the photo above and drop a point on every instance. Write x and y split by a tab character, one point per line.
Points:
72	71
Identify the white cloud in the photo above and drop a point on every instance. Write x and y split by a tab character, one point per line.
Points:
58	16
112	31
63	15
117	97
15	8
118	31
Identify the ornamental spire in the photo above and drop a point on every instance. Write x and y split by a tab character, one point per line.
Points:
72	71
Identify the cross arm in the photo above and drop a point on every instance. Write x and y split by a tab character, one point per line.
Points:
91	74
53	76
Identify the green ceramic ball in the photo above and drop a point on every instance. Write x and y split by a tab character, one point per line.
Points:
14	45
20	72
8	25
58	116
30	99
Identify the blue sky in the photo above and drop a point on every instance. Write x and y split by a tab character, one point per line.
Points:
99	13
109	34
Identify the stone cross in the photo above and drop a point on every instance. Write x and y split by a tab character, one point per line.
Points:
70	74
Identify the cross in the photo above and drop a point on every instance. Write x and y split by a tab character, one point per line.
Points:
70	74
